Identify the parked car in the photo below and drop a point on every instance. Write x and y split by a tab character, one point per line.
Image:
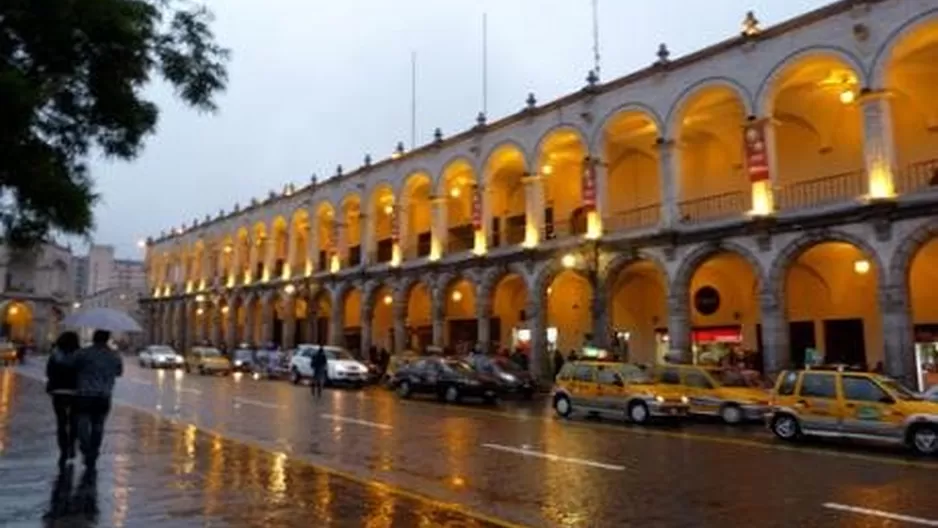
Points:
160	356
341	367
617	389
449	379
716	391
512	378
397	362
207	360
243	359
931	394
839	403
8	353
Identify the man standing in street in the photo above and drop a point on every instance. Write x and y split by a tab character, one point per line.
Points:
96	368
319	363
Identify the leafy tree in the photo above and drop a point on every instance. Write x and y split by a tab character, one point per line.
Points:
72	73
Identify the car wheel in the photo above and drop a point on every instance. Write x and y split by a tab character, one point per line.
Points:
732	414
452	394
562	406
786	427
924	439
638	412
404	390
295	376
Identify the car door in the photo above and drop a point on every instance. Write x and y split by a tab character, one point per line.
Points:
609	389
583	385
431	376
818	404
699	389
868	409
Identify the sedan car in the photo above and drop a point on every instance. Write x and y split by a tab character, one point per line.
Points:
242	360
207	360
341	366
160	356
512	378
450	380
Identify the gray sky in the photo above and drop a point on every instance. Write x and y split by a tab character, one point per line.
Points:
317	84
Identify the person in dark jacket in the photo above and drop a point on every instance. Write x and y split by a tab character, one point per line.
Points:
61	383
558	362
97	368
319	362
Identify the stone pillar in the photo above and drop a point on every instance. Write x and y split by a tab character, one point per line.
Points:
484	320
536	313
289	268
762	194
367	320
898	338
231	333
366	239
487	215
533	209
337	322
438	316
250	319
400	325
289	322
878	144
438	231
679	326
267	320
670	182
182	324
595	219
270	255
215	328
313	246
253	256
205	268
166	318
235	273
599	308
341	245
775	337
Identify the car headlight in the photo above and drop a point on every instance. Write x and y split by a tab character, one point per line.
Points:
237	363
179	359
510	378
685	400
659	399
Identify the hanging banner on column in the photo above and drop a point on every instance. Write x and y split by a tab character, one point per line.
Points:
395	225
757	154
589	184
476	207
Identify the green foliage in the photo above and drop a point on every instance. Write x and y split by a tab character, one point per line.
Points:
72	73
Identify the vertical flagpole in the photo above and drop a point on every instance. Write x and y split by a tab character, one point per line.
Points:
596	37
413	100
485	64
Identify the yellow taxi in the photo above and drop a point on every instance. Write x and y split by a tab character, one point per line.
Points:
618	389
8	353
717	391
207	360
837	402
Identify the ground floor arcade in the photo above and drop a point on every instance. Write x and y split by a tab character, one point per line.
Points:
857	294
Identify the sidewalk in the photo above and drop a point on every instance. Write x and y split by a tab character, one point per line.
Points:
155	473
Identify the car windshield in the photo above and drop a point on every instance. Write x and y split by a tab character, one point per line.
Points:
337	354
161	350
898	390
633	374
210	352
243	354
459	367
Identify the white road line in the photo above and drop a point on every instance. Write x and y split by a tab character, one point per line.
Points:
366	423
139	381
881	514
258	403
190	391
554	458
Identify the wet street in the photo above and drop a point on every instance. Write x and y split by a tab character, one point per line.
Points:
191	450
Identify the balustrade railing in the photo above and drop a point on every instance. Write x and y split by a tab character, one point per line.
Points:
828	190
716	207
917	177
632	219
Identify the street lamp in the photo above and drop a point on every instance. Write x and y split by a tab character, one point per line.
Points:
568	261
289	289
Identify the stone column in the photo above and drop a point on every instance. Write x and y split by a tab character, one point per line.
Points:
253	256
599	304
289	268
438	231
484	320
679	326
878	144
166	318
182	324
289	322
487	215
367	320
400	325
341	246
270	255
438	316
250	319
236	273
898	338
595	220
775	338
337	323
313	246
205	268
231	333
670	182
215	329
366	227
533	209
535	311
267	320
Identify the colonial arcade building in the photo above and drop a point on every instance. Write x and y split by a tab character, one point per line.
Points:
772	194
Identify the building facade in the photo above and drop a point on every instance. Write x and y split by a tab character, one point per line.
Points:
102	271
773	193
36	293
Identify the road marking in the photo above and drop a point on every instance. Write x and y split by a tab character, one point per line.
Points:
190	391
258	403
139	381
366	423
881	514
554	458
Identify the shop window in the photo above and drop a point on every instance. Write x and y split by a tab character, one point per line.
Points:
818	386
863	389
583	373
787	386
697	380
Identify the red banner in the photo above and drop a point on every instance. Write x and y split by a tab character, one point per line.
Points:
589	184
756	151
395	226
476	207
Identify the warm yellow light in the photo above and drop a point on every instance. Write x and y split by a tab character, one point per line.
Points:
594	225
847	96
457	296
862	267
14	310
200	298
76	305
289	289
388	299
388	209
454	192
550	290
335	264
200	311
568	261
880	181
228	249
547	170
224	309
762	203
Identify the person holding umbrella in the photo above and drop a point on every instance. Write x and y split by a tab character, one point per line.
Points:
96	369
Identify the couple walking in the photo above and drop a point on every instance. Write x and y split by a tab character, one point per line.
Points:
80	382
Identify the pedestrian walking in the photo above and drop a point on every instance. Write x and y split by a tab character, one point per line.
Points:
97	367
318	364
61	383
558	362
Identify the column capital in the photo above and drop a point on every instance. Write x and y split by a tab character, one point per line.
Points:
663	144
530	179
868	95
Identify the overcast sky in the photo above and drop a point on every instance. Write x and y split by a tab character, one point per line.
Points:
316	84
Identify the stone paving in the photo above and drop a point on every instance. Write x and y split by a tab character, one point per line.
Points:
153	472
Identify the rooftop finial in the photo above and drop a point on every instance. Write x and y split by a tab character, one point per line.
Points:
664	56
751	25
531	101
438	135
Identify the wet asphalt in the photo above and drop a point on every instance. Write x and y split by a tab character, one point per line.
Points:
461	465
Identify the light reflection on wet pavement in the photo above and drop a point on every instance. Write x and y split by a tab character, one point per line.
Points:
156	473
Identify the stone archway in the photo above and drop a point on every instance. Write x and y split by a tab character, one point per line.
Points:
637	305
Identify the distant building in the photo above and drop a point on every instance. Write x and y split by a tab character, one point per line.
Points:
35	294
79	277
103	271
